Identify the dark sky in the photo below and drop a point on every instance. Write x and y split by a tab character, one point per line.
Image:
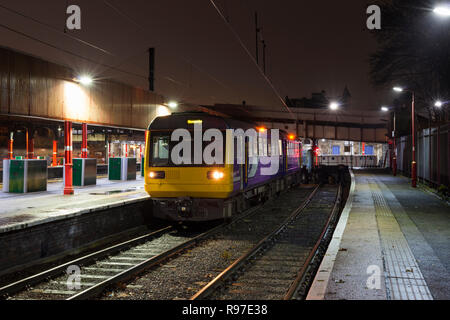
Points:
311	45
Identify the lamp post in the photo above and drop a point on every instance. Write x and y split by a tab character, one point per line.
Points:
413	163
439	104
394	156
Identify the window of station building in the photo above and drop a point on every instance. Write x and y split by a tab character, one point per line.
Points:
336	150
368	150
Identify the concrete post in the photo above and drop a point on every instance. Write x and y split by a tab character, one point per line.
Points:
11	145
84	138
55	153
68	151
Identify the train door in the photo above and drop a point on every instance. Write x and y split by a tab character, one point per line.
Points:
245	166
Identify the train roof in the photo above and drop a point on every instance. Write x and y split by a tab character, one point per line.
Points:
186	120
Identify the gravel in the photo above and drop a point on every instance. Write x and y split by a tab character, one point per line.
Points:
184	275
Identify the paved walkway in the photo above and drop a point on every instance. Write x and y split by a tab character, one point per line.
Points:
392	242
18	211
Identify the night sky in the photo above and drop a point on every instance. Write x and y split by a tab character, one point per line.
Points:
311	45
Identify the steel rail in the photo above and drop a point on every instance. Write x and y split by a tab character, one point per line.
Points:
314	252
20	285
93	291
128	273
37	278
229	271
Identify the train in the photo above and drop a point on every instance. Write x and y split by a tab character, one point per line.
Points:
185	190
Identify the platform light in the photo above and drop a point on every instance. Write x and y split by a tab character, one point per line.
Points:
438	104
85	80
398	89
291	136
173	104
442	10
162	111
334	105
384	109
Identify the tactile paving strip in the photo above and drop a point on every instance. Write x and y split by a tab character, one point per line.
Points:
404	280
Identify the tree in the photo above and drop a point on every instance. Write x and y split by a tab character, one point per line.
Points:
413	50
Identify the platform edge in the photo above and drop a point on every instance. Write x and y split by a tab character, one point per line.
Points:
320	284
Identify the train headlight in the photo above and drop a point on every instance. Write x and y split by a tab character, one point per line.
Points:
215	175
157	175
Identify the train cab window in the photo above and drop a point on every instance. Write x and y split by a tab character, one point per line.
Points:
280	147
160	148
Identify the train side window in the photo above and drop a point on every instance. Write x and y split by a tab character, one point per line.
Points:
253	152
262	148
265	146
280	147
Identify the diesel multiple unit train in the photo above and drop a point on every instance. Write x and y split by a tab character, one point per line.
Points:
200	190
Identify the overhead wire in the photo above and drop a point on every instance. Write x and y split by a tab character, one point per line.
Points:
56	30
141	27
70	52
251	57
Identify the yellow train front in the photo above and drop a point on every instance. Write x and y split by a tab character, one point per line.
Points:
201	191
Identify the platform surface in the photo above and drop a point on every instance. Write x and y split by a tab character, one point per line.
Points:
19	211
392	242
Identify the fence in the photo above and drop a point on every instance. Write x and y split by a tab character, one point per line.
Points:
358	161
432	155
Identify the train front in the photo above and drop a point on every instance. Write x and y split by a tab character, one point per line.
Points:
191	190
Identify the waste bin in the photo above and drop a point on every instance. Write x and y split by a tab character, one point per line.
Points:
22	176
84	172
122	169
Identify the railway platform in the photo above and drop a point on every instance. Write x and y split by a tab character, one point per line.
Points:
391	243
20	211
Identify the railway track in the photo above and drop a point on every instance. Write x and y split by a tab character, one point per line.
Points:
189	272
280	265
107	267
